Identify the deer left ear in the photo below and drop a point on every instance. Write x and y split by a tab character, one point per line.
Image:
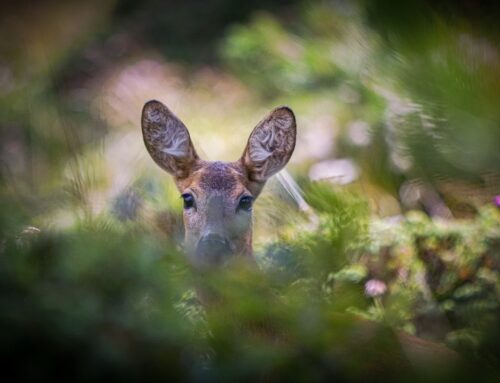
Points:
270	145
167	140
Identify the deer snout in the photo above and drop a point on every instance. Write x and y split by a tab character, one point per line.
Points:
212	249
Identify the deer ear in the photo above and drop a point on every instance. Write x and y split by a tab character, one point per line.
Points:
270	145
167	140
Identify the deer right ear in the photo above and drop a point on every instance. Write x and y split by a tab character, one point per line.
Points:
167	140
270	145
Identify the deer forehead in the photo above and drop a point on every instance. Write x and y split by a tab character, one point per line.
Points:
218	178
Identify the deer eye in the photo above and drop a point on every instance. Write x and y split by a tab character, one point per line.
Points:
245	203
188	200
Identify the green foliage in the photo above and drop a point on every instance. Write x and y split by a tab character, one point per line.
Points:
275	60
425	82
120	303
88	281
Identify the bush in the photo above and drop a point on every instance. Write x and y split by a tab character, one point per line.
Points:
110	302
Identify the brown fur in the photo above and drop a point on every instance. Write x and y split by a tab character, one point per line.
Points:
217	187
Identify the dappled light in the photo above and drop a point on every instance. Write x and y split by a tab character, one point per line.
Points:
371	253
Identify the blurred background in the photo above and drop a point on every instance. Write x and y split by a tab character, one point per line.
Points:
389	209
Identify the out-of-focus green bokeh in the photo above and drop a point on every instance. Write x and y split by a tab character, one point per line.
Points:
389	210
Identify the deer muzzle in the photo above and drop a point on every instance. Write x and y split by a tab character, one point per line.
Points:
212	250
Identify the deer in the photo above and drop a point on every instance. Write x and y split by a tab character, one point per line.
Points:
218	198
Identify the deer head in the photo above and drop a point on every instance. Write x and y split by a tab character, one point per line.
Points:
218	196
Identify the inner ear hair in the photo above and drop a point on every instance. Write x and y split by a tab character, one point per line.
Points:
270	145
167	140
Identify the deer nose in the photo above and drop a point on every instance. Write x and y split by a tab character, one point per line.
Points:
212	249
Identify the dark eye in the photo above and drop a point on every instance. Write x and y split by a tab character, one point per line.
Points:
245	203
188	200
